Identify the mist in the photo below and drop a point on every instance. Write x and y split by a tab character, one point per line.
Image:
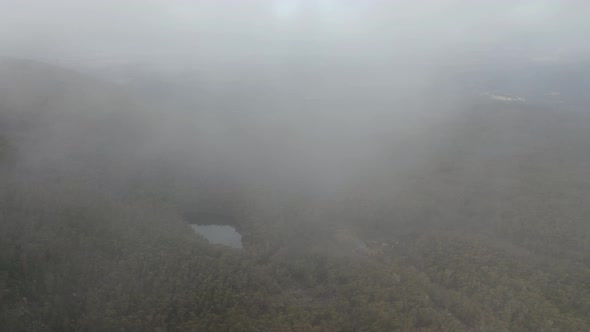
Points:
387	165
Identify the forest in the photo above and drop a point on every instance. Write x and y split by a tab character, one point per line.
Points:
294	166
486	231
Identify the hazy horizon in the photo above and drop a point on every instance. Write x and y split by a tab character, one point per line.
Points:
181	34
294	165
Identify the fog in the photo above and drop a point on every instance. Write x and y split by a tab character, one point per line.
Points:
375	165
321	100
175	34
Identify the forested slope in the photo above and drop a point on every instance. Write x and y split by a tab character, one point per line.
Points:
490	235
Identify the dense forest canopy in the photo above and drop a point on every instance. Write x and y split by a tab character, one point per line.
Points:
439	186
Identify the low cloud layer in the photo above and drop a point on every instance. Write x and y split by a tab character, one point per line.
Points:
158	32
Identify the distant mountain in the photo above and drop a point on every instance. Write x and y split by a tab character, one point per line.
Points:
60	121
28	85
537	82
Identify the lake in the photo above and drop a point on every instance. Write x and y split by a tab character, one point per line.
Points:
220	234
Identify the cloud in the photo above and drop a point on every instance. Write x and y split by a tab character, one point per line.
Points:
157	30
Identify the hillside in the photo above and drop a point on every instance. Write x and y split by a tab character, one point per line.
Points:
471	220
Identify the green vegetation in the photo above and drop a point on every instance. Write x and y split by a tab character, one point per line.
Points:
103	267
101	243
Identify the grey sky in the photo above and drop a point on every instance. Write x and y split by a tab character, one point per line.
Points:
154	31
